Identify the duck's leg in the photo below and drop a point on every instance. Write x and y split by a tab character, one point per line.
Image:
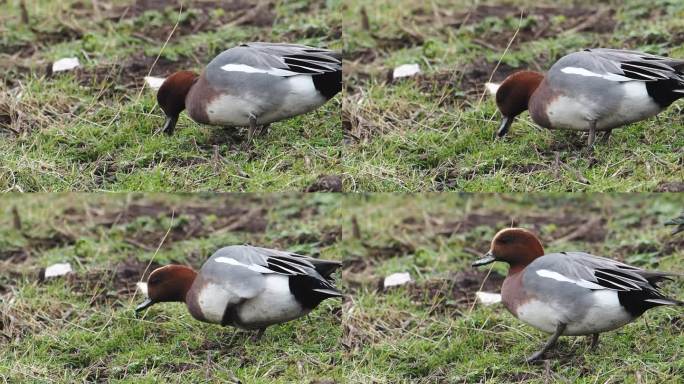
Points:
550	343
257	336
250	133
606	136
594	341
592	133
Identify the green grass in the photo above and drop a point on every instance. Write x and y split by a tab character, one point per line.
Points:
82	328
96	130
430	331
434	132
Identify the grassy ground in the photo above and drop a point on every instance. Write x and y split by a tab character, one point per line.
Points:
83	328
96	128
434	131
431	331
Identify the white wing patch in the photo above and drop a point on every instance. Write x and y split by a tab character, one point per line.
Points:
558	277
588	73
249	69
252	267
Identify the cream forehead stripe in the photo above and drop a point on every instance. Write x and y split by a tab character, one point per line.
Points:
248	69
142	287
588	73
558	277
492	88
253	267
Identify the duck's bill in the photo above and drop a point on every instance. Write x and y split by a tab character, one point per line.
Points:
487	259
505	125
169	124
144	305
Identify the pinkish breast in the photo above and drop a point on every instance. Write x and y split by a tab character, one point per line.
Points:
512	292
539	102
200	95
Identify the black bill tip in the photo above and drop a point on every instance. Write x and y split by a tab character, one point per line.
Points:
144	305
504	126
487	259
169	124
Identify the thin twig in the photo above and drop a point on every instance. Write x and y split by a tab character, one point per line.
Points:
510	42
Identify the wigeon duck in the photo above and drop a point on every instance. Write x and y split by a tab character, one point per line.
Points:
253	84
245	287
570	293
593	90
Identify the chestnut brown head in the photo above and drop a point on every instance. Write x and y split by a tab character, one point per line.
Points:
171	96
167	284
513	96
516	246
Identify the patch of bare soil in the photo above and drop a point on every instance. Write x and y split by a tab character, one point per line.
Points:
108	287
327	236
199	16
189	221
443	86
326	183
18	50
14	255
537	22
131	271
670	186
472	83
41	38
568	227
389	249
362	56
665	247
8	279
35	244
673	245
113	79
452	295
492	25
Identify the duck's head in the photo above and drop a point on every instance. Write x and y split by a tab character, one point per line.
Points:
171	96
513	96
168	283
516	246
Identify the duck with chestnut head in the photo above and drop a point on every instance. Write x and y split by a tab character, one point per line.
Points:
245	287
571	293
592	90
253	84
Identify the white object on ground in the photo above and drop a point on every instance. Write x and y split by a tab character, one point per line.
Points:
492	88
488	298
405	70
394	279
142	287
154	82
59	269
65	64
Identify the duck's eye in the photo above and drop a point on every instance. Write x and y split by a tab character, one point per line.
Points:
154	280
505	239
